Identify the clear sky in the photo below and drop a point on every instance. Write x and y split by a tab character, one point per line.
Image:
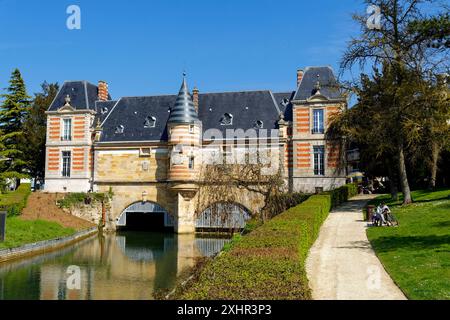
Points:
142	47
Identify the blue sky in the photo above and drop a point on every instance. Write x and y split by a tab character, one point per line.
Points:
142	47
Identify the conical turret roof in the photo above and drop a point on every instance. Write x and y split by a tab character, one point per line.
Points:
183	111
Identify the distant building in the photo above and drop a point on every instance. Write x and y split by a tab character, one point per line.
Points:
149	149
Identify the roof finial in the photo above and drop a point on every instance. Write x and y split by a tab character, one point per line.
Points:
67	99
184	73
317	87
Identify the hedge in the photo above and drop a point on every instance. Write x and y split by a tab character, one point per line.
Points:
280	203
269	262
14	202
343	193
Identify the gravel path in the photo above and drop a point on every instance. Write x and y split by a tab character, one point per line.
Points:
342	264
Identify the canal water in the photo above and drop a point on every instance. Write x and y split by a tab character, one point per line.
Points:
126	265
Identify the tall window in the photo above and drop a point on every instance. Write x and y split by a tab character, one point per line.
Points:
319	160
318	121
67	130
66	160
191	163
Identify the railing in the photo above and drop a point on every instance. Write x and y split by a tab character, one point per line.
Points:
224	216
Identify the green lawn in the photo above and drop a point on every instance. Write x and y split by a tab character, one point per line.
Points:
20	232
417	253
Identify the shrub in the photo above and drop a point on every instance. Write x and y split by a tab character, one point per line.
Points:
268	263
75	198
14	202
342	194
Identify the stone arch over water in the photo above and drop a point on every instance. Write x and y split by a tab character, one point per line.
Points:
223	215
149	211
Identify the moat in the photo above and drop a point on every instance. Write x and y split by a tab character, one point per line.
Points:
126	265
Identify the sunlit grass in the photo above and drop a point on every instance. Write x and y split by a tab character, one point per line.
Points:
417	253
20	232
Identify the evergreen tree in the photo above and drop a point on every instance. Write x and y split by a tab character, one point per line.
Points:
35	128
13	112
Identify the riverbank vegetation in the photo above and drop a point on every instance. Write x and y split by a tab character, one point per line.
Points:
72	199
269	262
20	232
416	254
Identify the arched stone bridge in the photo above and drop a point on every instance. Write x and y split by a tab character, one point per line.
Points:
177	207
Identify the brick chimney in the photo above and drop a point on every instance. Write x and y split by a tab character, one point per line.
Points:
195	98
299	76
102	91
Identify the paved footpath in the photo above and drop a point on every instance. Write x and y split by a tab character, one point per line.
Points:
342	264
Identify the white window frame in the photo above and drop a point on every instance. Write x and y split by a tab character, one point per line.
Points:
317	121
320	161
63	168
64	136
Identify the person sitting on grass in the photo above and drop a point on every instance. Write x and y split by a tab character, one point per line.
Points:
384	213
379	214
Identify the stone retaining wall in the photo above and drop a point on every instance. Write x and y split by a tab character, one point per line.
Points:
40	247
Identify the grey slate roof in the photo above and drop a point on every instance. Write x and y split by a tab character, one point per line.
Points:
183	111
327	81
281	99
131	112
103	108
246	108
82	95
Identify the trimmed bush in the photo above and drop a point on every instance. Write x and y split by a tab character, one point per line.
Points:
269	262
281	203
342	194
14	202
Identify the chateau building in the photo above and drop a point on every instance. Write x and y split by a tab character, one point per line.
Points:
148	150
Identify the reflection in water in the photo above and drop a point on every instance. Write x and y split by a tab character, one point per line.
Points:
130	265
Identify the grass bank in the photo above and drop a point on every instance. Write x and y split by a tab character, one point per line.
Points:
269	262
20	232
417	253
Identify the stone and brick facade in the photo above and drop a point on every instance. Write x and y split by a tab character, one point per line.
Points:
149	149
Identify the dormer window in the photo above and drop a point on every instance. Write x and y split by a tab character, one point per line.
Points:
227	119
284	102
150	122
119	129
259	124
104	110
